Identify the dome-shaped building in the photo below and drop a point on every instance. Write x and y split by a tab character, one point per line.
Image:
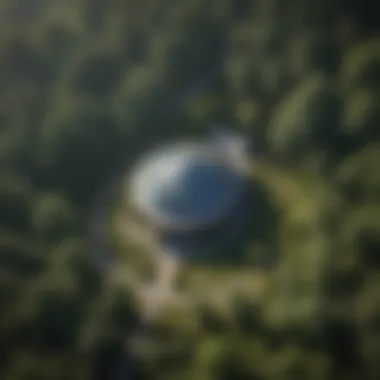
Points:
192	193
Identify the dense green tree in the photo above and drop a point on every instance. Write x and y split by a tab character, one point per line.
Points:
247	316
102	338
57	319
254	64
307	119
53	218
73	255
361	232
9	290
212	320
87	83
361	115
58	39
16	199
357	176
22	107
20	255
312	51
368	321
143	103
79	142
22	61
93	72
360	65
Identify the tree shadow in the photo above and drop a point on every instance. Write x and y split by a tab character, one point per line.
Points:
258	244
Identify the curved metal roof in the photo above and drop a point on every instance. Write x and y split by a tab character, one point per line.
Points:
185	185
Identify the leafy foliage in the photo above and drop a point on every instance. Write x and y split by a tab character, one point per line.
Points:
87	84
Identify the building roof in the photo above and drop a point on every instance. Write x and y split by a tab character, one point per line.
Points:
185	185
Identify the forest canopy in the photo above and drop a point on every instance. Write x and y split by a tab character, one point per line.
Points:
87	84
